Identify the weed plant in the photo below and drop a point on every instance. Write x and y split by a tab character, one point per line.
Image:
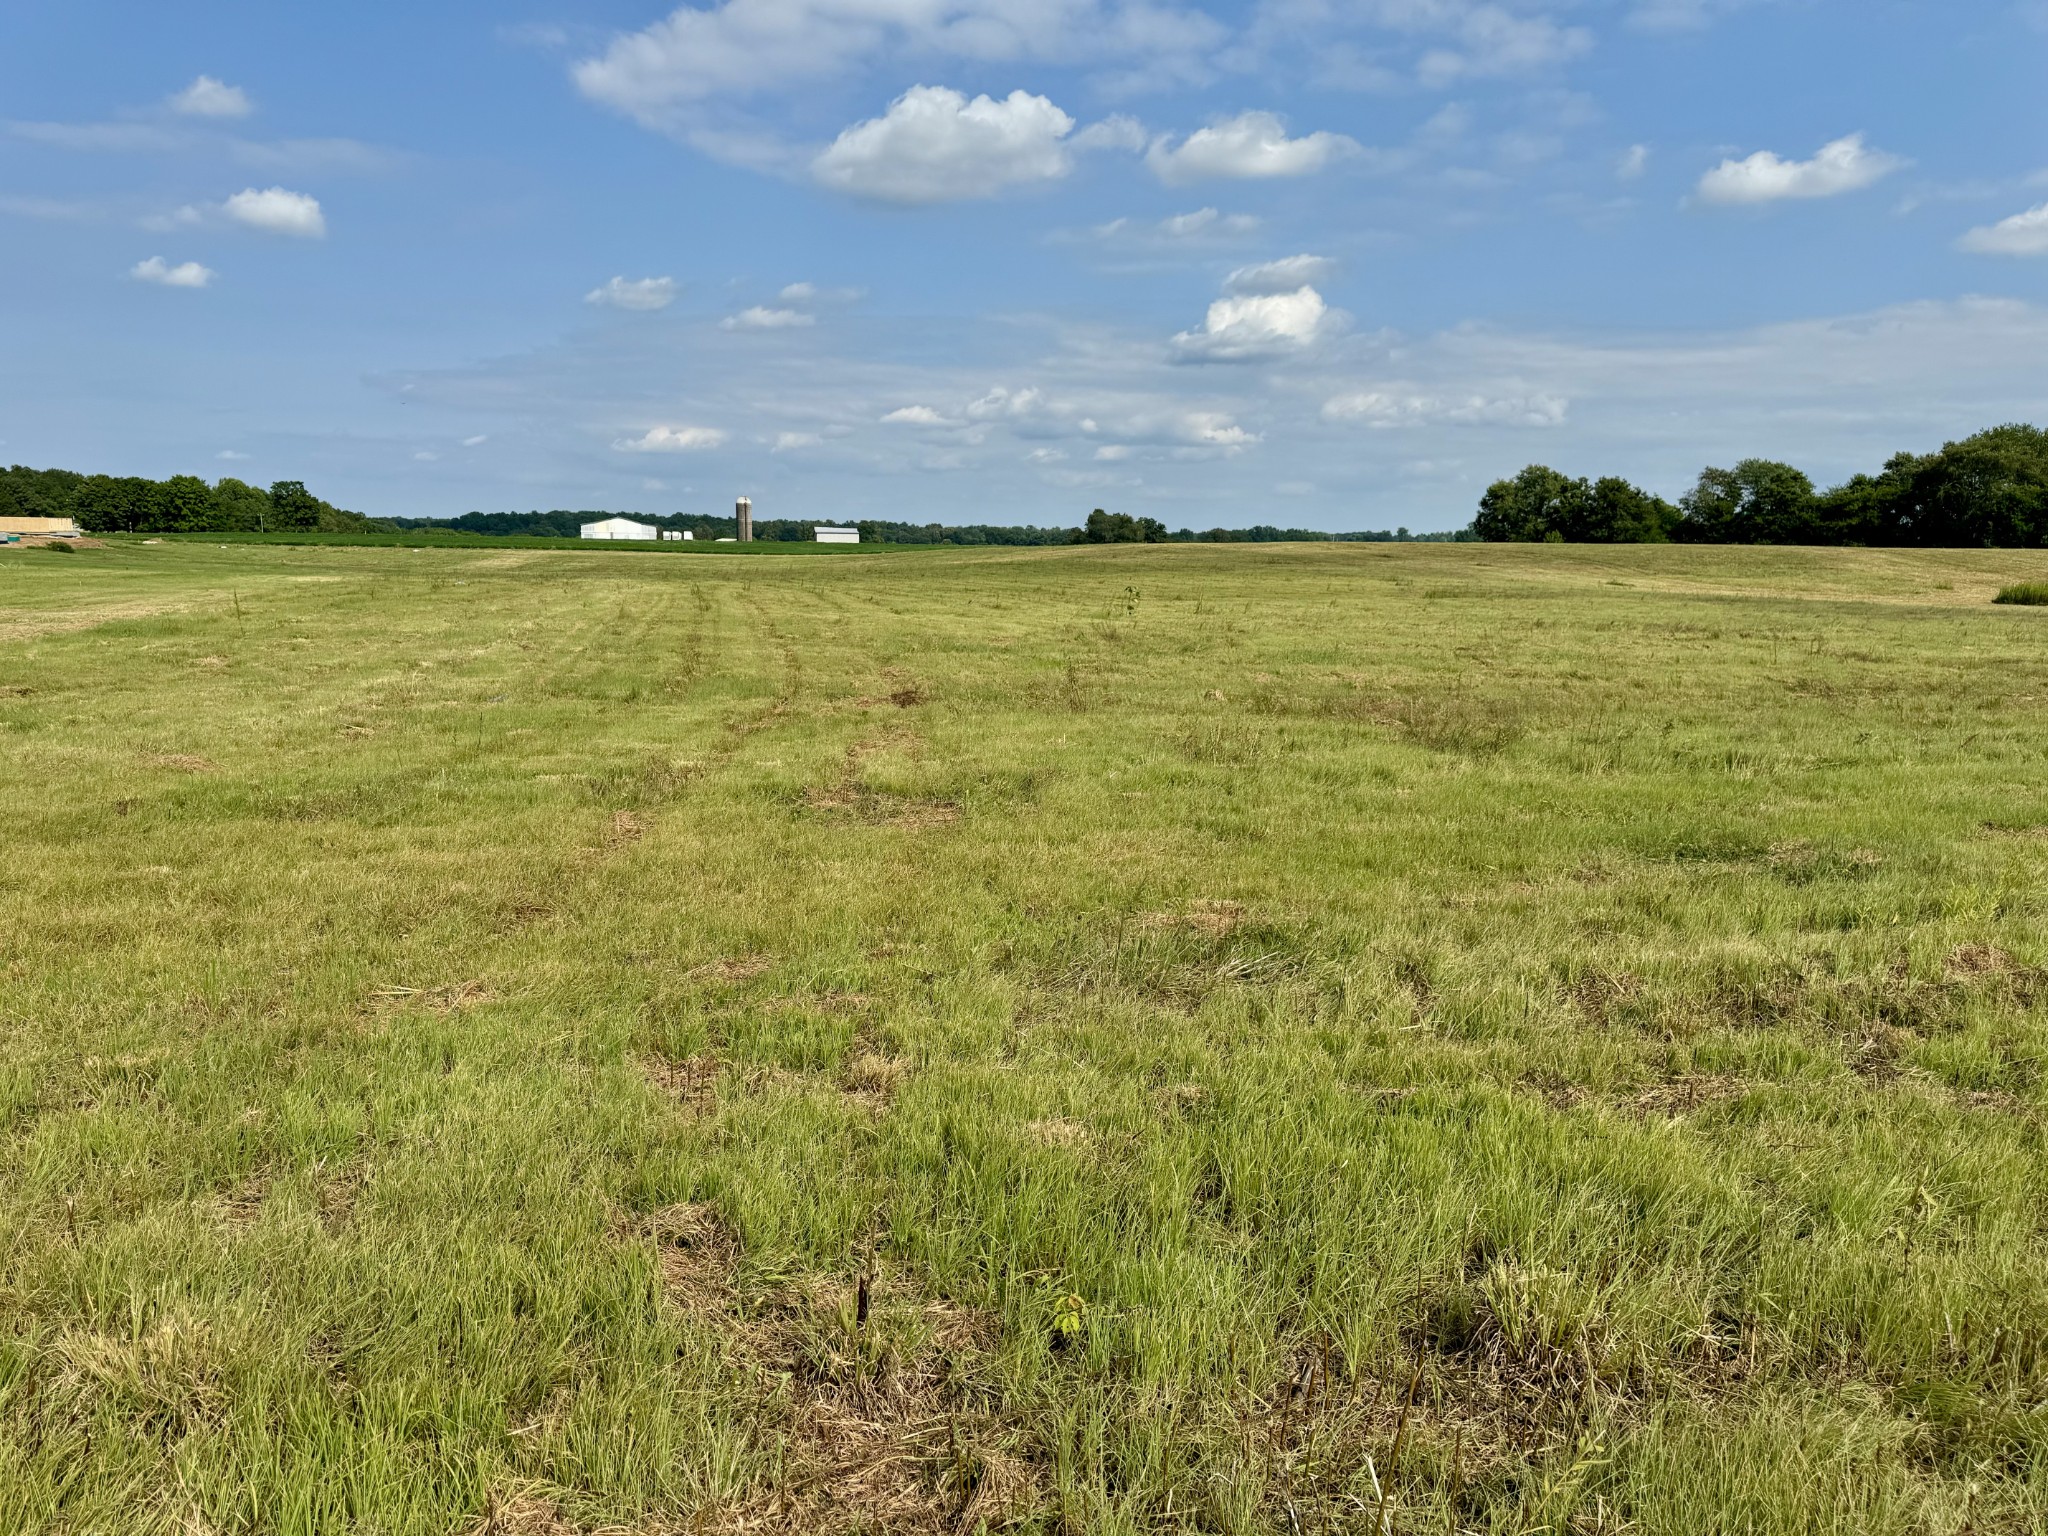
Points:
1404	1039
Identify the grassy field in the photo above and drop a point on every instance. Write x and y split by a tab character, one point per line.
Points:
1280	1039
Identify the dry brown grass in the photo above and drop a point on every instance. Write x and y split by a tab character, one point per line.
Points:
872	1077
692	1082
872	1392
1210	917
449	997
733	968
878	808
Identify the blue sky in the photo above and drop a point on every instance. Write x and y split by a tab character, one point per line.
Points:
1328	263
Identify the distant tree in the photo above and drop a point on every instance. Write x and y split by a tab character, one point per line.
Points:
1987	491
1612	511
182	504
107	504
1759	501
26	492
1530	508
1121	528
293	506
237	505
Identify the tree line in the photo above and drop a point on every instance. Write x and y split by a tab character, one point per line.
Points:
1986	491
181	504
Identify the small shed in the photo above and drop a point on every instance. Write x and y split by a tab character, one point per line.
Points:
826	535
40	527
620	528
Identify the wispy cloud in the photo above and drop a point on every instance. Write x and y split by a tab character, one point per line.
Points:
208	97
762	318
634	293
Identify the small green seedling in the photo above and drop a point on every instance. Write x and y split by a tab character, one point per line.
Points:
1068	1318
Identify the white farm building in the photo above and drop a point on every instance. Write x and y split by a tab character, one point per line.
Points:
620	528
825	535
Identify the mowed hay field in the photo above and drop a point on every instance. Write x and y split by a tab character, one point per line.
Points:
1239	1039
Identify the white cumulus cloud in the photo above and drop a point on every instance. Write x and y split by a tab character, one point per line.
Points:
761	318
916	416
933	145
1252	326
1286	275
641	293
792	442
208	97
2024	234
673	440
1250	145
1846	165
186	274
278	212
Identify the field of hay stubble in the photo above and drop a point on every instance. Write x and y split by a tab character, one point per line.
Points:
1241	1039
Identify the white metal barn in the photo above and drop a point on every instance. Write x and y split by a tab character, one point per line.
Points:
826	535
620	528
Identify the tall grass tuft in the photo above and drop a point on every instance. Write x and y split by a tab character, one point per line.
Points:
2026	594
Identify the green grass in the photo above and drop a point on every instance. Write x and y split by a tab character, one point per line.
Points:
2027	594
1292	1039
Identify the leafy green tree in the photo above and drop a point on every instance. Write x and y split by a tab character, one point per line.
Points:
1612	511
293	506
1987	491
26	492
238	505
1529	508
107	504
1759	501
182	503
1121	528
